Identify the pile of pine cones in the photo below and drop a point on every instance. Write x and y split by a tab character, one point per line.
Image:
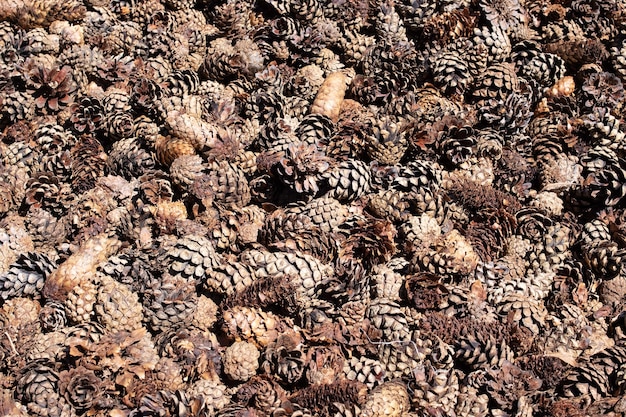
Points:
293	208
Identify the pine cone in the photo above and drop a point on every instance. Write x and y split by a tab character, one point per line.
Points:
26	276
241	360
169	302
252	324
118	308
389	399
81	263
211	395
37	387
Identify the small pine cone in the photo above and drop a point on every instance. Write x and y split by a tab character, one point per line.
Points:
129	159
167	214
44	190
26	276
80	264
211	394
229	277
587	379
200	134
390	399
387	281
529	312
52	316
80	301
389	205
263	392
51	346
387	142
241	361
348	181
169	302
227	182
190	257
206	312
118	307
482	353
89	162
186	169
497	82
368	371
21	311
81	387
452	254
253	324
307	274
387	316
37	387
436	388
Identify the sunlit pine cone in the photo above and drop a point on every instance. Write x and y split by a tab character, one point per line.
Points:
388	204
224	60
52	88
190	257
37	387
386	315
44	190
89	162
206	313
186	169
117	307
51	346
83	262
387	282
12	190
52	316
18	105
253	324
81	300
241	360
478	354
227	182
22	156
169	302
119	125
26	276
229	277
471	402
348	181
211	395
387	141
308	274
80	387
527	311
263	392
390	399
587	379
437	388
129	159
450	254
368	371
497	81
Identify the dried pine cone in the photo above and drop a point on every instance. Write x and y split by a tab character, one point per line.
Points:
241	360
389	399
117	307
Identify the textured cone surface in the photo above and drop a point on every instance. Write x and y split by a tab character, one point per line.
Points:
26	276
241	360
118	307
80	264
390	399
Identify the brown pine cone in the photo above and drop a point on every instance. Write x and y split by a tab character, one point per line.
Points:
241	360
118	307
390	399
80	264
